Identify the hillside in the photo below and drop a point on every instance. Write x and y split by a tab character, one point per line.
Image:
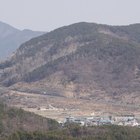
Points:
82	61
12	120
81	133
11	38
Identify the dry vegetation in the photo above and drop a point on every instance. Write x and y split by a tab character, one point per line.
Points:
57	107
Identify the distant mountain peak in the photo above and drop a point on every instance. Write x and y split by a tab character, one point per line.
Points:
11	38
5	25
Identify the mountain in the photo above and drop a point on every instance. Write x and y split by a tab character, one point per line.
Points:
82	60
11	38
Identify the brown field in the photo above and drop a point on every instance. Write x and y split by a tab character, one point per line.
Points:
61	107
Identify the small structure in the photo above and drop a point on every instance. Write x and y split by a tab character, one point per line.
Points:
127	120
124	117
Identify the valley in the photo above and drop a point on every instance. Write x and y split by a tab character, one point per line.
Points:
59	108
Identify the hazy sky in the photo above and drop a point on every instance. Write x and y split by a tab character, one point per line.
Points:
49	14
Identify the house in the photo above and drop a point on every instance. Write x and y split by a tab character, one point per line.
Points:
131	123
105	121
124	118
69	119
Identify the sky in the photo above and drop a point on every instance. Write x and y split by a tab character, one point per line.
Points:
47	15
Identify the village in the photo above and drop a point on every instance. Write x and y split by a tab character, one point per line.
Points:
124	120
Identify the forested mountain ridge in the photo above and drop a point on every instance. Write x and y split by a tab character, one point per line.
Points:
82	60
